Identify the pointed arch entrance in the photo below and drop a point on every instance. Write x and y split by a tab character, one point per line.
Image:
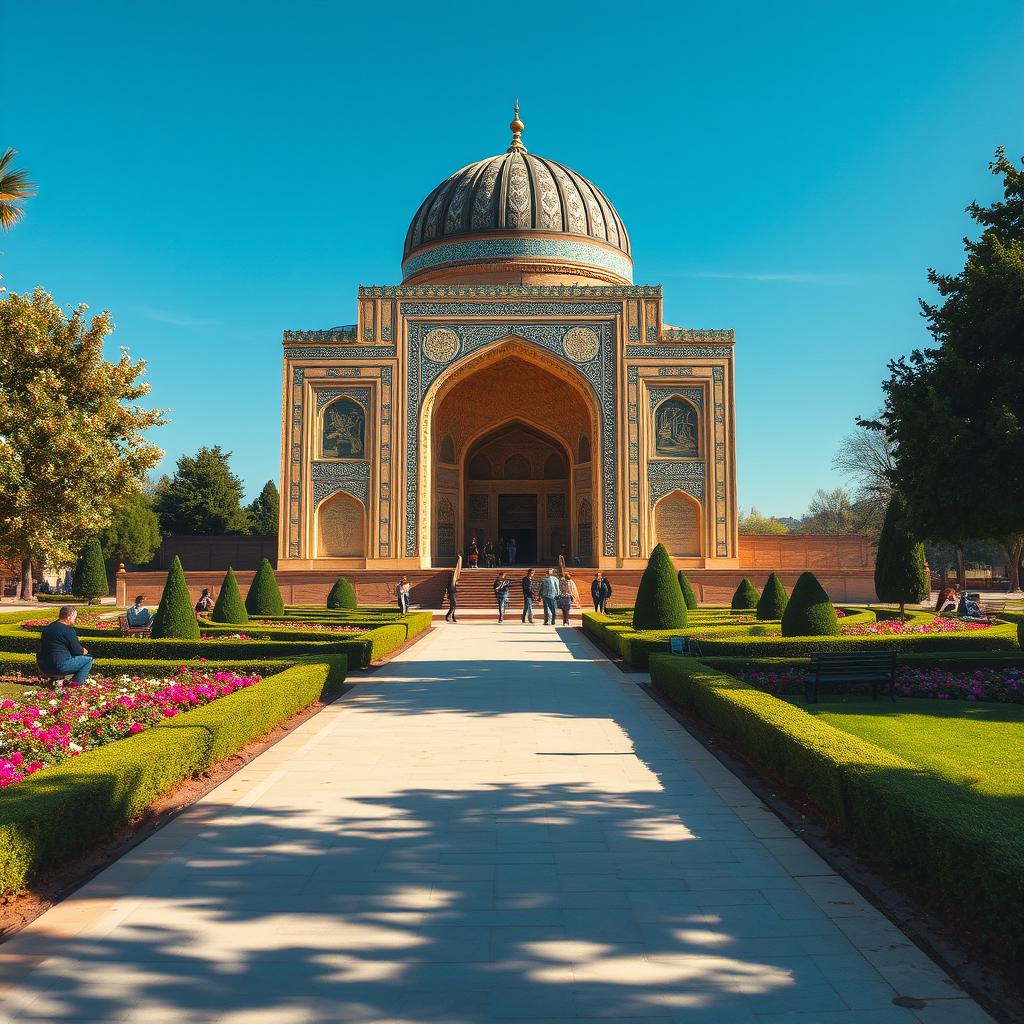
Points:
513	447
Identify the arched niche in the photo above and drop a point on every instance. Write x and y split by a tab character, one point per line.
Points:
479	467
517	467
584	449
555	467
447	450
585	527
343	430
342	528
446	528
676	428
677	525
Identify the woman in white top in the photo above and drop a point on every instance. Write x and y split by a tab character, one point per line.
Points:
569	599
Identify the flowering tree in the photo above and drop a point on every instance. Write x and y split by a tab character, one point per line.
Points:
71	433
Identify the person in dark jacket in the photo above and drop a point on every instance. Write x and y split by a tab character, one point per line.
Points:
452	591
528	596
205	602
600	591
501	586
60	653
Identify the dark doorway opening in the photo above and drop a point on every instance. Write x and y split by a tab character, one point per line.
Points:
517	517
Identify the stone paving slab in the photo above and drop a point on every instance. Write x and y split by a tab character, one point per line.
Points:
497	826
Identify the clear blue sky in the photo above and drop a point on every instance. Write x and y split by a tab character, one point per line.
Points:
214	173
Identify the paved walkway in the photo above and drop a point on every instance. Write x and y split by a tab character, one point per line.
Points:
498	826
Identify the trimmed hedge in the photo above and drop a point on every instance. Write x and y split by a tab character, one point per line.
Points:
809	612
745	597
342	595
229	606
66	810
264	597
920	825
91	572
25	665
659	601
689	597
773	601
175	616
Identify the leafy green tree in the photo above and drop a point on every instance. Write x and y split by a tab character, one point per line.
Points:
229	606
687	590
90	572
15	188
772	604
830	513
72	442
203	497
809	612
133	534
756	523
901	575
342	595
263	511
954	413
659	601
264	597
175	616
746	596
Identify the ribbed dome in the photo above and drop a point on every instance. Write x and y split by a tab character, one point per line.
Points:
515	206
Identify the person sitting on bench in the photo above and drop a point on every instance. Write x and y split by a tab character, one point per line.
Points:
60	653
138	615
970	607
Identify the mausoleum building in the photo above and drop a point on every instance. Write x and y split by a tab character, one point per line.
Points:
517	383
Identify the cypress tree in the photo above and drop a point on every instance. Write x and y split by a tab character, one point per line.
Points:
91	572
901	574
230	607
264	597
688	595
175	616
746	596
659	601
809	612
342	595
773	599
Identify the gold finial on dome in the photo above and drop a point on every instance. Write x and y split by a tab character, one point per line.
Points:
516	127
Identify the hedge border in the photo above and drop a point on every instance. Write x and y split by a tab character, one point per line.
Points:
65	810
919	824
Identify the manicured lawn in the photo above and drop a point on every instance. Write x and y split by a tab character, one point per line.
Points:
972	745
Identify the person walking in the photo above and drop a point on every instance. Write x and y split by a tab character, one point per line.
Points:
452	591
528	596
500	587
600	591
569	599
402	589
60	653
549	591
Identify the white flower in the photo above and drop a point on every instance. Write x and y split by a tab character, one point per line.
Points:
77	748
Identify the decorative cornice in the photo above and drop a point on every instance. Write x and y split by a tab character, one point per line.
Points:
697	335
482	291
334	336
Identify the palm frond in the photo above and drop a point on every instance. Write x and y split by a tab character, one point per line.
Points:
15	187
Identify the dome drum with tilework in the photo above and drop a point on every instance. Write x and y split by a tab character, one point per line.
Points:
517	216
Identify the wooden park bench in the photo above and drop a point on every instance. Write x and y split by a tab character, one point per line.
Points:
874	667
125	630
993	608
685	645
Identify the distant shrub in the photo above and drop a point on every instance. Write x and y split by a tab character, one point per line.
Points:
688	595
342	595
809	612
91	572
175	617
659	601
773	600
230	607
264	597
746	596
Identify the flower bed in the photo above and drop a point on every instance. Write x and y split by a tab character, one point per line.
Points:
50	726
307	627
998	685
90	620
231	636
908	627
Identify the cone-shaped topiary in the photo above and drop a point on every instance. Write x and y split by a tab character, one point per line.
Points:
809	612
746	596
342	595
901	575
773	599
659	601
91	572
175	616
230	607
264	597
688	595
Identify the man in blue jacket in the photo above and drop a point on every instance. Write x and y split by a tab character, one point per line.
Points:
549	591
60	653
